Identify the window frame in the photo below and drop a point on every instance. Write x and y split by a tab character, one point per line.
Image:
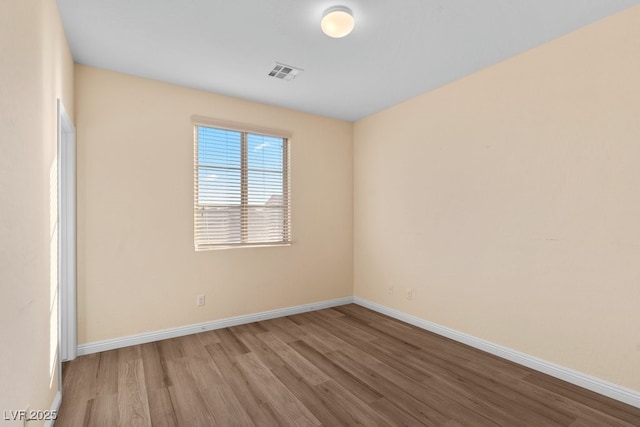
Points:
245	130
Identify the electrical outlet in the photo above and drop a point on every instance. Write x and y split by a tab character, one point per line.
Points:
409	294
390	290
200	300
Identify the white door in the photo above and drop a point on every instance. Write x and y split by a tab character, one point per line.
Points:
68	344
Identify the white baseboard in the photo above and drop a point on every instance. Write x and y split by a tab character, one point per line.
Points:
597	385
98	346
55	408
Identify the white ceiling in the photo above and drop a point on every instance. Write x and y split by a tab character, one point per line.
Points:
398	49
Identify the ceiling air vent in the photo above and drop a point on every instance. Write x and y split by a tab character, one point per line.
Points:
285	72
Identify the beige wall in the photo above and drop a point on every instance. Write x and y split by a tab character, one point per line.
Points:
35	69
509	201
137	268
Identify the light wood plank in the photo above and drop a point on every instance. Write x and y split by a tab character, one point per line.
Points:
133	402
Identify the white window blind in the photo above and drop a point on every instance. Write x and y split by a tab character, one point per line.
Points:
241	192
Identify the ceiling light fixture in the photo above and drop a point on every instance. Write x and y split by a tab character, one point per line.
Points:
337	21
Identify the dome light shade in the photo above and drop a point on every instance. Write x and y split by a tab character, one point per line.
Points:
337	21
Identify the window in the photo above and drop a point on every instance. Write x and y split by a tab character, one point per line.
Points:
241	179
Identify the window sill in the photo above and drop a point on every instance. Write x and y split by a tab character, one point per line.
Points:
242	246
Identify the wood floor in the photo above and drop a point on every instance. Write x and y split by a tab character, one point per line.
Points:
336	367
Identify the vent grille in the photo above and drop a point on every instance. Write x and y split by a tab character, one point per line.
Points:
285	72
